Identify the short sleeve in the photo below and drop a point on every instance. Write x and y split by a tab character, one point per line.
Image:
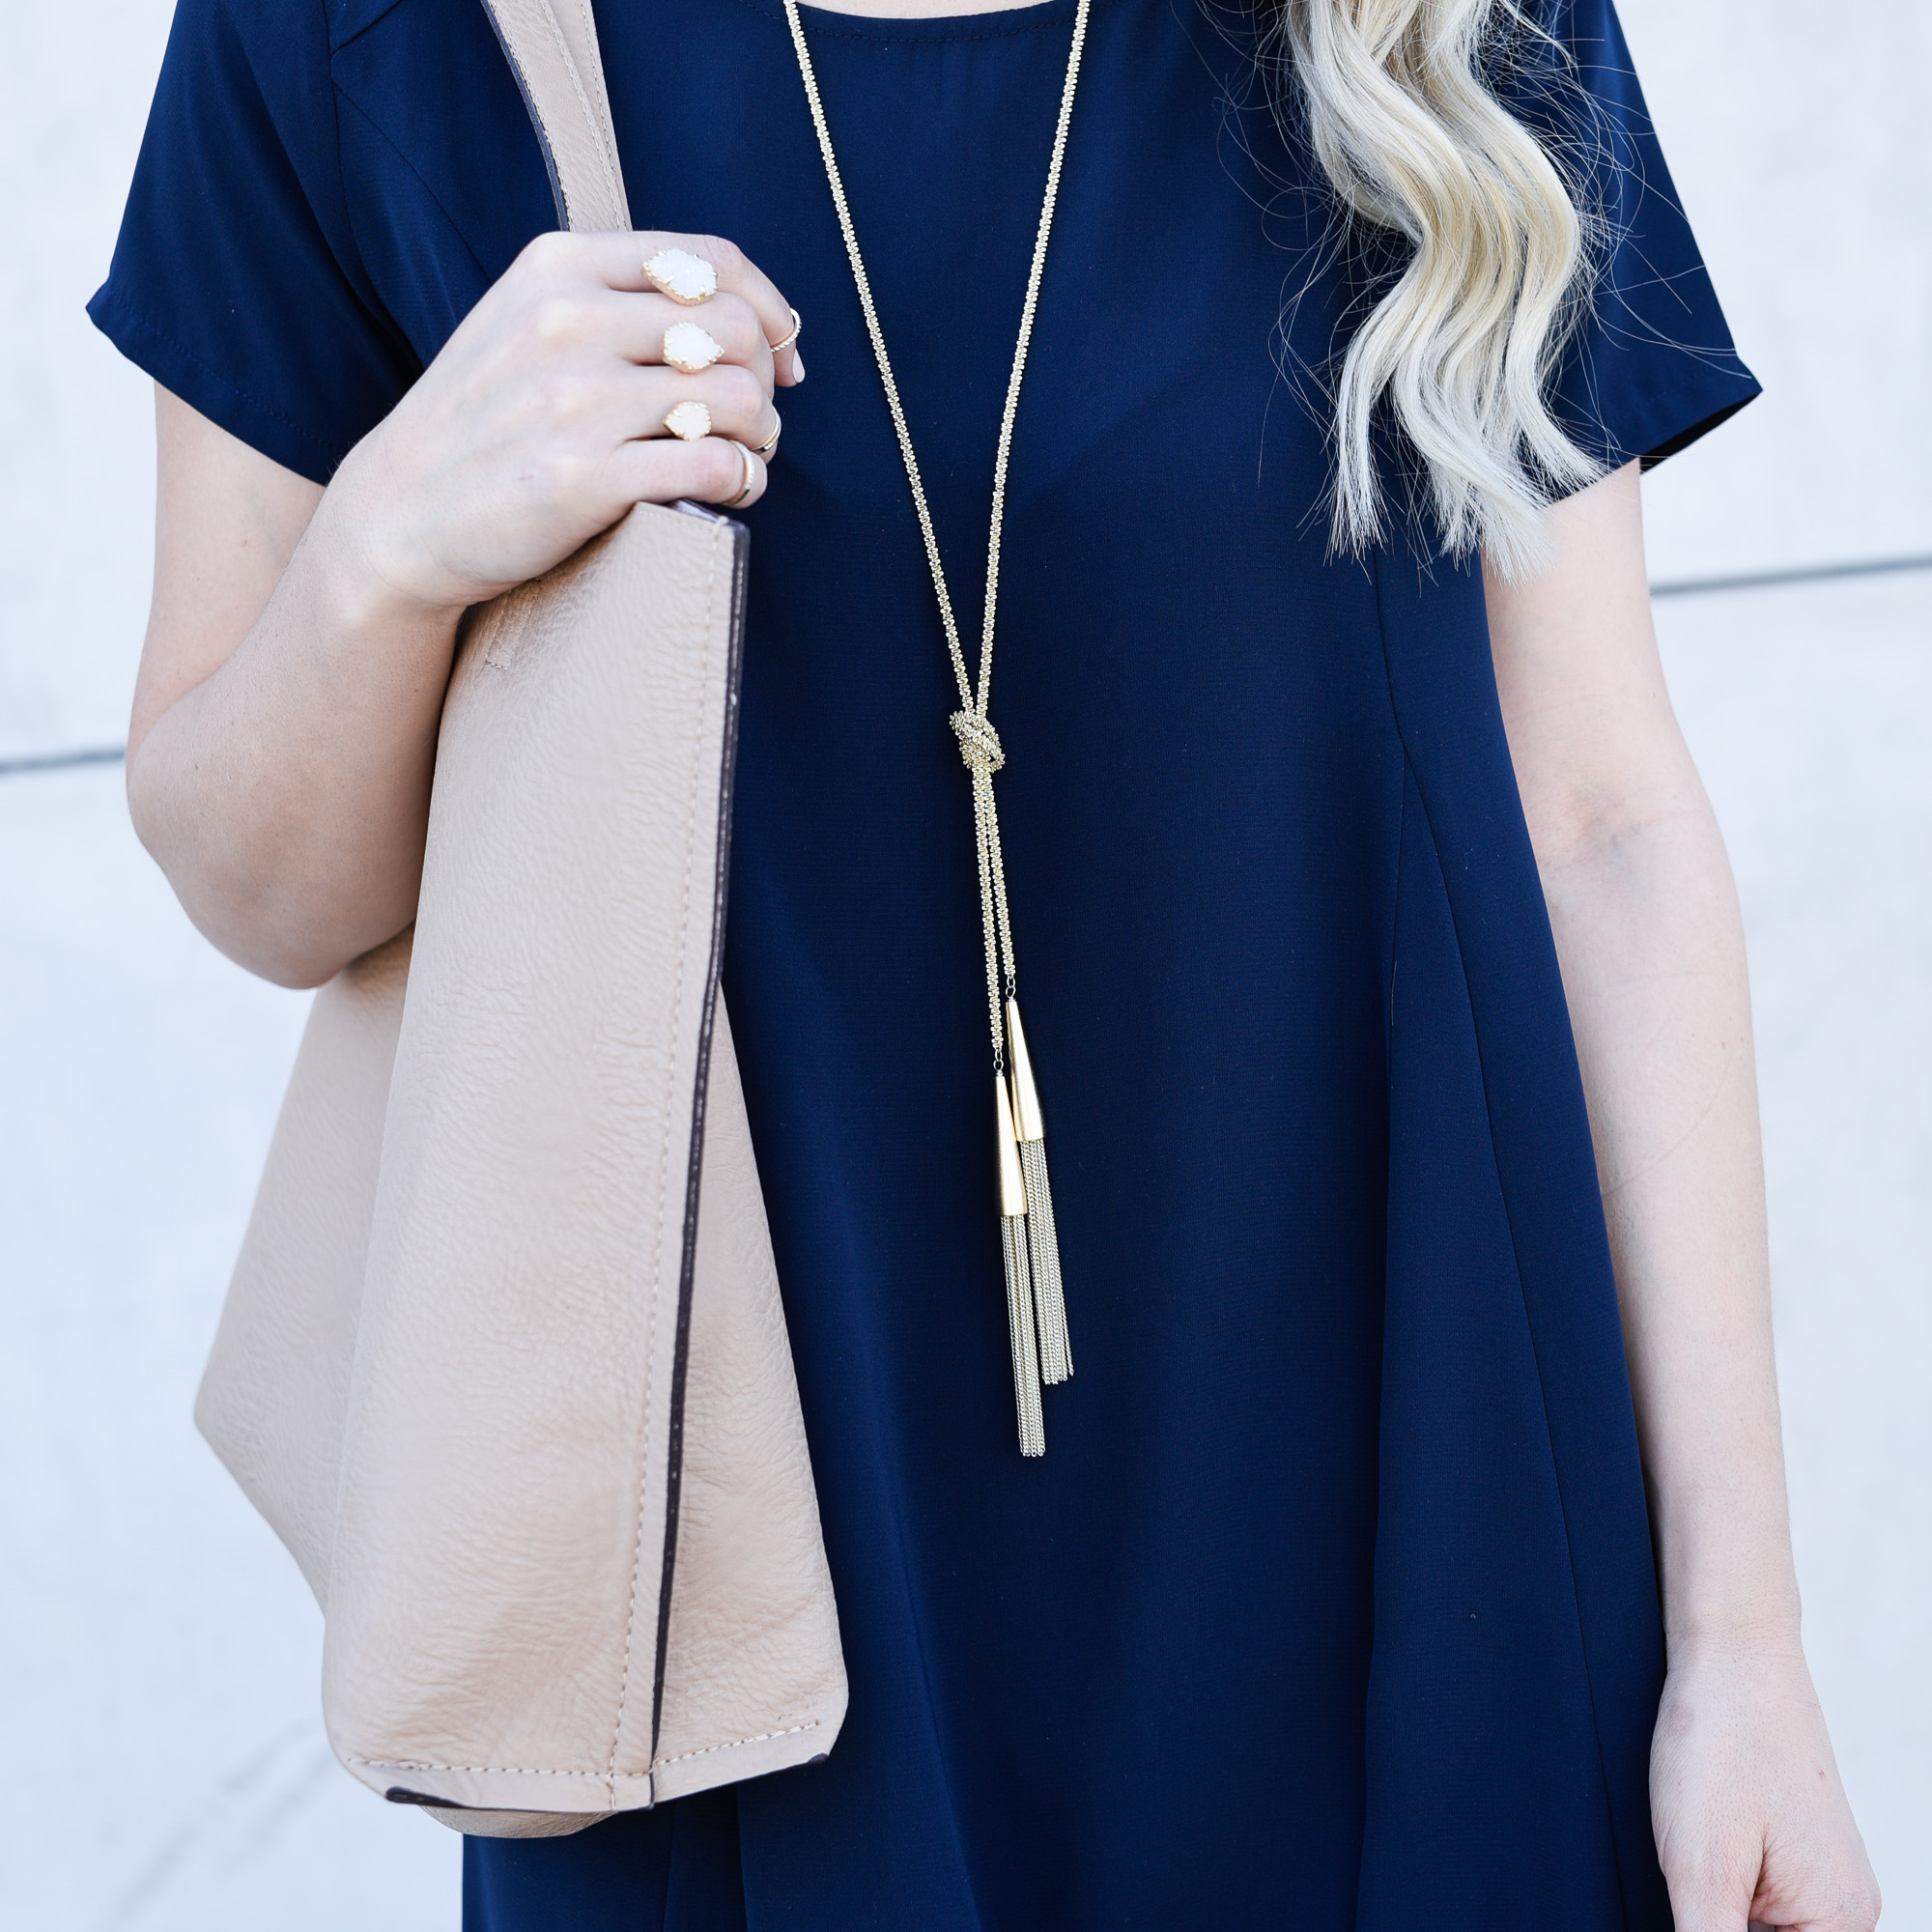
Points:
1650	367
236	281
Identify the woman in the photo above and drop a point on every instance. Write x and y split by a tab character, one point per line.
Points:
1334	1602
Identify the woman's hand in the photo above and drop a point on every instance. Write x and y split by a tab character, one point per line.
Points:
1751	1820
300	639
542	420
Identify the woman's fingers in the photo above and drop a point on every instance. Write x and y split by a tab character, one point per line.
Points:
661	328
733	401
714	470
619	260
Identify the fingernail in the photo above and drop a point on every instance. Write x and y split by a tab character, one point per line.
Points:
797	366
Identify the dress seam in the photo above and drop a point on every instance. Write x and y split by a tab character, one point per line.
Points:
1516	1250
113	300
382	134
1395	893
362	282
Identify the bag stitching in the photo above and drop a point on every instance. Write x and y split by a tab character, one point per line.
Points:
651	1327
531	1771
762	1738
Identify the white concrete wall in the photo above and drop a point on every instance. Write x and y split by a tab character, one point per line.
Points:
77	440
1797	138
165	1771
164	1767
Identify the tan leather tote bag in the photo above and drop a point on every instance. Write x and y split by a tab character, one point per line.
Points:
503	1361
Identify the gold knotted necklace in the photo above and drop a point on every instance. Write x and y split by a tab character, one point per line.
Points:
1036	1301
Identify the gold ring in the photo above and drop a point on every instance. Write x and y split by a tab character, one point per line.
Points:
688	421
683	276
771	442
786	340
750	477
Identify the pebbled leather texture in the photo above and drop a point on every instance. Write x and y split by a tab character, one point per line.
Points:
451	1377
753	1677
504	1361
275	1393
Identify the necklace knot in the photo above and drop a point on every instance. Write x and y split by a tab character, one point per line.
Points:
978	742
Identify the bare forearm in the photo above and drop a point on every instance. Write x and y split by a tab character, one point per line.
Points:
1750	1818
285	794
1647	929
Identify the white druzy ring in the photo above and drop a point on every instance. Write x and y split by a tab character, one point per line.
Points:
683	276
691	349
688	421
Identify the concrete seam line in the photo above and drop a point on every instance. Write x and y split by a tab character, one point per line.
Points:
1772	579
60	761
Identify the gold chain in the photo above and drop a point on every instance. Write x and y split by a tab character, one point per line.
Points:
978	742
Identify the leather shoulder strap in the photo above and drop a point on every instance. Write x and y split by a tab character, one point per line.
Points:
551	45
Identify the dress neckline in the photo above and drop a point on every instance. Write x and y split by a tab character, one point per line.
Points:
828	23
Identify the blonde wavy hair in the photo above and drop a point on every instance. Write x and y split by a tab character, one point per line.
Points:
1403	123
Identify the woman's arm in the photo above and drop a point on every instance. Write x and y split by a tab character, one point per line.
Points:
1751	1820
300	639
280	750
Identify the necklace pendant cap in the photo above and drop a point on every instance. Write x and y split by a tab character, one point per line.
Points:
1013	1177
1027	1116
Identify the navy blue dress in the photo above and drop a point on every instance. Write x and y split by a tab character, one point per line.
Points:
1332	1603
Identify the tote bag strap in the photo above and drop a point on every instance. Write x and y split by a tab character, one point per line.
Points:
552	46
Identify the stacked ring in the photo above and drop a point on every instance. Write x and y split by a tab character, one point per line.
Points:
771	442
750	477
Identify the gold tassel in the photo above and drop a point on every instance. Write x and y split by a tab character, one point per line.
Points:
1019	1279
1056	1351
